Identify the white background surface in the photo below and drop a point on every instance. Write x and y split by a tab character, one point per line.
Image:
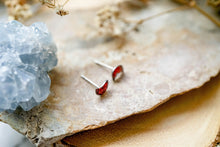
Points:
11	138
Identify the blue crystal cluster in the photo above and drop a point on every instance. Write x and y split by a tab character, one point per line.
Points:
26	55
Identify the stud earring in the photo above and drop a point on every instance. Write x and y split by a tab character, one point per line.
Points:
117	72
99	90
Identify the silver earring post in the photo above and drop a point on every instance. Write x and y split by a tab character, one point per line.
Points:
89	81
117	72
103	64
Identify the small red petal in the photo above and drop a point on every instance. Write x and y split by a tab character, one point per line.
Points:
102	89
118	70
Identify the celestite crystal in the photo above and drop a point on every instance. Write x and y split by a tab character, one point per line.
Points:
26	55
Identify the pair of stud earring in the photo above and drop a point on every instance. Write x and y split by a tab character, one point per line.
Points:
117	74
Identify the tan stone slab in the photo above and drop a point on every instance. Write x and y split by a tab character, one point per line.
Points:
169	55
190	120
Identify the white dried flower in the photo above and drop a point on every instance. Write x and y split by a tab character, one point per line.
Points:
18	9
109	22
55	5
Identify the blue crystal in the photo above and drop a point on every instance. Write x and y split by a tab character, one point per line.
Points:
26	55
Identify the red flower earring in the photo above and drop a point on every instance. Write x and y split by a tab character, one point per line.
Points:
99	90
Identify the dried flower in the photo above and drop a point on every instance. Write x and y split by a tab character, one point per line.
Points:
18	9
54	5
62	12
109	22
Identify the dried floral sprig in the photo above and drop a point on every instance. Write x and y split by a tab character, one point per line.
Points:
18	9
110	23
59	8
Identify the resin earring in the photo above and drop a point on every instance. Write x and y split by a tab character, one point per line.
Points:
99	90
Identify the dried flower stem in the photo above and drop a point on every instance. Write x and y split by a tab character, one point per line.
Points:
139	22
65	3
207	15
193	4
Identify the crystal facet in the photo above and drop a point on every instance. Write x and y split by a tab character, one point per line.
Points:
26	55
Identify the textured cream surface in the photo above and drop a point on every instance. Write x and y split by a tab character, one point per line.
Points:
189	120
169	55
